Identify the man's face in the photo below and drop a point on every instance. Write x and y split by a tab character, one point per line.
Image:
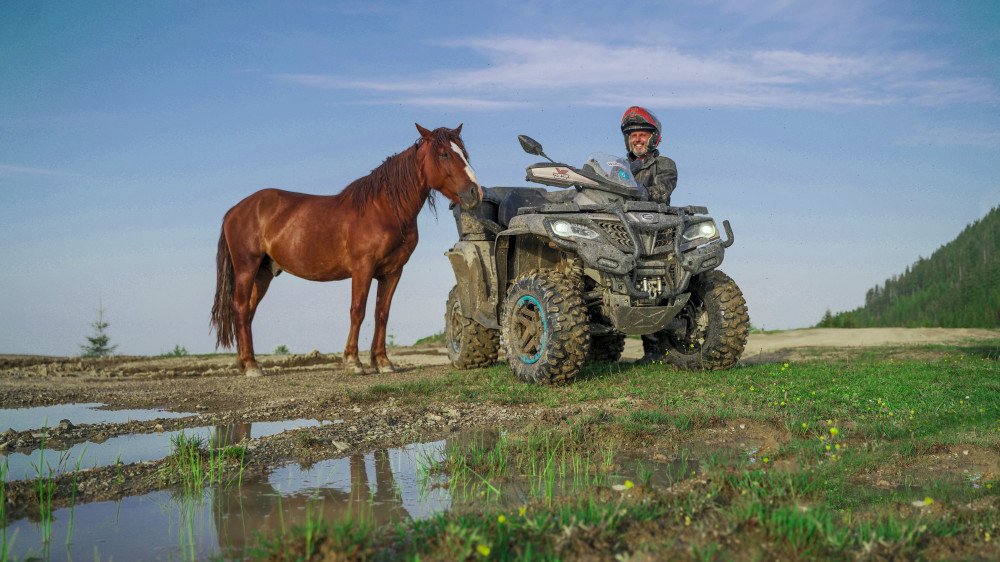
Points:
638	141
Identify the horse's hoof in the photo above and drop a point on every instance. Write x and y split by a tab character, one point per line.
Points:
386	369
353	369
255	372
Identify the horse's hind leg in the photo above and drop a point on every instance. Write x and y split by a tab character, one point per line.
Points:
260	284
250	285
383	299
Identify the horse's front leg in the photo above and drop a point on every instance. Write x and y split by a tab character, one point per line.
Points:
383	299
360	285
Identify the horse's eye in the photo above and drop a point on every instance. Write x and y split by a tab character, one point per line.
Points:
445	155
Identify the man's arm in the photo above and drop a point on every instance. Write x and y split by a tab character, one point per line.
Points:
664	181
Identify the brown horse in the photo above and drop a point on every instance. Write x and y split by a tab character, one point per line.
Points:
367	231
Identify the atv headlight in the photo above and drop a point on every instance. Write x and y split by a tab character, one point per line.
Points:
705	230
566	229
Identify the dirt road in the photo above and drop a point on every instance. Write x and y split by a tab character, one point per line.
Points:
211	384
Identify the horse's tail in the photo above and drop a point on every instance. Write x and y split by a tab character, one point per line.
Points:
222	310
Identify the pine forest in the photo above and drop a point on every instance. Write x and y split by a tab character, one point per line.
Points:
957	287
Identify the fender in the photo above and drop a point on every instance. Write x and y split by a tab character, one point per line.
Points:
475	277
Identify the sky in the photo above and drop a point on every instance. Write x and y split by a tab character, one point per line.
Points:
842	140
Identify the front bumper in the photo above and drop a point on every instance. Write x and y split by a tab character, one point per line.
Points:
640	320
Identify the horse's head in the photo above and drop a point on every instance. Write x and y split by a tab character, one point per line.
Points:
444	163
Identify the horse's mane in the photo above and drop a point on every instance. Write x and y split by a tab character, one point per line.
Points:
396	180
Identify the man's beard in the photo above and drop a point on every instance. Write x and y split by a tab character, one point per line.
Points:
640	152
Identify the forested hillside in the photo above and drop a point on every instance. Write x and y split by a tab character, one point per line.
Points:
957	287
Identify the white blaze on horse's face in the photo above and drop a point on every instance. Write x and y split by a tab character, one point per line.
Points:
468	168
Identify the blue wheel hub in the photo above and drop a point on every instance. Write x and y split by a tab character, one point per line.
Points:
531	329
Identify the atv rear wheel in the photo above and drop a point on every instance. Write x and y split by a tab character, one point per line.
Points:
544	325
470	345
715	326
607	347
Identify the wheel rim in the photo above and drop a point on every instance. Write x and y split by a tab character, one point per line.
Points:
530	329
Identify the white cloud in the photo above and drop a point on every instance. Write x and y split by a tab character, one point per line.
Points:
592	73
464	103
952	135
8	170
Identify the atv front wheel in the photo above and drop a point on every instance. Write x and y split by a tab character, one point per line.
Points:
470	345
544	326
714	329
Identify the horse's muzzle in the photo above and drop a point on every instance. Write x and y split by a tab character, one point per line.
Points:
471	197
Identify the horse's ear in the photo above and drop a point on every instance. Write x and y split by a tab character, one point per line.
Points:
423	132
458	130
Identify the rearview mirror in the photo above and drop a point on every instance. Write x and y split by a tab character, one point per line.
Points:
530	145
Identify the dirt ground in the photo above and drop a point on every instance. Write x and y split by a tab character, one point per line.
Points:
301	387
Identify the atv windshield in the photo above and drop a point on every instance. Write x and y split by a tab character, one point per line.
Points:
612	168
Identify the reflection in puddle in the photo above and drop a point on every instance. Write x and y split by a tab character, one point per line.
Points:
160	525
136	448
380	487
660	474
22	419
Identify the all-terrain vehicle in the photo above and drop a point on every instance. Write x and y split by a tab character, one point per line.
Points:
560	277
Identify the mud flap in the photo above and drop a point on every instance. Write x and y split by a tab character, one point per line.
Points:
469	260
640	320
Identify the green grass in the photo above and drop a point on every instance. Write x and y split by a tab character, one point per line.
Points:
865	457
45	488
435	338
408	392
6	543
178	351
193	463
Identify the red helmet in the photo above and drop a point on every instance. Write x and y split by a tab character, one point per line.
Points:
641	119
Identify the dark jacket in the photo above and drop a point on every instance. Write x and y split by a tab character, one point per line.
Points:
657	173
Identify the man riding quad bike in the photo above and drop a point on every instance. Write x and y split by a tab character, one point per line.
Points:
560	277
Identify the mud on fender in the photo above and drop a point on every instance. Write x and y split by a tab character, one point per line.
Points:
704	258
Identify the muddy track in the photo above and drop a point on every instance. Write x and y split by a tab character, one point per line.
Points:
314	386
308	387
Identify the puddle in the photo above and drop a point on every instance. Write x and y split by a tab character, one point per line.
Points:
938	485
726	452
382	487
22	419
136	448
660	474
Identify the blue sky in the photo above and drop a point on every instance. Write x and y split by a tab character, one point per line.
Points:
843	140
